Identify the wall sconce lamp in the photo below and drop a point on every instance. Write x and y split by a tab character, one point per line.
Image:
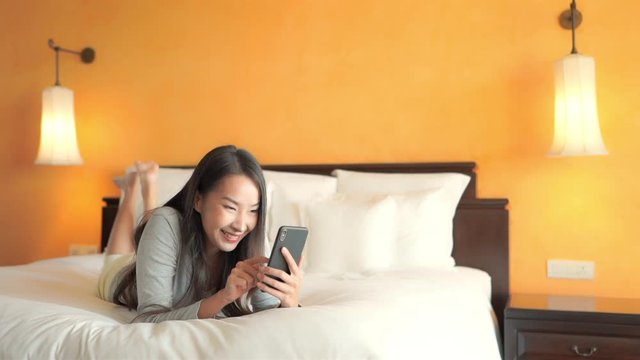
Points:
58	141
577	131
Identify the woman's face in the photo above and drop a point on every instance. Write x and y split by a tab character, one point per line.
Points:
229	212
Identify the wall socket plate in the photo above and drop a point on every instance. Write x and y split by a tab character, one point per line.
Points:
571	269
78	249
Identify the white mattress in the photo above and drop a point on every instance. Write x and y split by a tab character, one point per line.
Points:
50	309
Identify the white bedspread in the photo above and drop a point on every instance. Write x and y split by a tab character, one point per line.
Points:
50	309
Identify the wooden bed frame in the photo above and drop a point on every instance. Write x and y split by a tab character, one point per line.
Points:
480	229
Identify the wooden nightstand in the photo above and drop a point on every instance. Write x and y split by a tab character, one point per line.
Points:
548	327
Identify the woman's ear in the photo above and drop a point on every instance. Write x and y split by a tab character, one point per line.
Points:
197	206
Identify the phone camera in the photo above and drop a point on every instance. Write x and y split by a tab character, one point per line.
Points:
283	235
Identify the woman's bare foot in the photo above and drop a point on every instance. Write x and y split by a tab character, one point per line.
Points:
148	174
120	181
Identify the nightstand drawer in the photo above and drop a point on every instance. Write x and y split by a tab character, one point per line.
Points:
562	327
550	345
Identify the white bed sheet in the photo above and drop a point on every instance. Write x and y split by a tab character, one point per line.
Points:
50	309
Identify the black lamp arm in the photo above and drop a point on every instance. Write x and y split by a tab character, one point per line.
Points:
87	55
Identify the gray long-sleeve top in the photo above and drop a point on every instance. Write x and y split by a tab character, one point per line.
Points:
161	283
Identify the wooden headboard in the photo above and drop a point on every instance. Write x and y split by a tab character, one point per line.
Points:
480	229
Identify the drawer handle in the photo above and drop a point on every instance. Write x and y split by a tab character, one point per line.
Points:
584	354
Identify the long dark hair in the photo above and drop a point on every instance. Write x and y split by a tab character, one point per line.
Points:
215	165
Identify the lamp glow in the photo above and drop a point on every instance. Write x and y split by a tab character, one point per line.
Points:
58	141
577	131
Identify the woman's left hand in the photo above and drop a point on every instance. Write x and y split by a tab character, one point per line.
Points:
287	288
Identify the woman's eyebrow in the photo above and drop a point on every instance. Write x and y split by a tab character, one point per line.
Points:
237	203
230	200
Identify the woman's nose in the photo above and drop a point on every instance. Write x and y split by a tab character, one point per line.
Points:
239	224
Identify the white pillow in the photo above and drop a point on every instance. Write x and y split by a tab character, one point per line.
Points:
170	181
380	183
349	233
424	234
435	225
399	231
286	191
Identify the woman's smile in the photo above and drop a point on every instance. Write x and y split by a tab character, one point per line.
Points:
232	237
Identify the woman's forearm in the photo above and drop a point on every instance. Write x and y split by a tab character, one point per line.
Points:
212	305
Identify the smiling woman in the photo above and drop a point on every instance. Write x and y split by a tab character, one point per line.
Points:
199	255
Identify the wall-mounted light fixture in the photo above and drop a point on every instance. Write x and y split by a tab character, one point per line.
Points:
577	131
58	141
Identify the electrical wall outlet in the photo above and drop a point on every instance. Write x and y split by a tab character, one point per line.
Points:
571	269
77	249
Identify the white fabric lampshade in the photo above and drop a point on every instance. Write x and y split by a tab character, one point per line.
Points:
58	141
577	131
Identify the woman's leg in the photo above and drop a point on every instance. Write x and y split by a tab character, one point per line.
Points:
142	178
148	173
121	236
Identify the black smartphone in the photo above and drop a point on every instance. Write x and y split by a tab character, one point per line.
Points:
291	237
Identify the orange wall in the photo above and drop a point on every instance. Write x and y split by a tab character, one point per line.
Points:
329	81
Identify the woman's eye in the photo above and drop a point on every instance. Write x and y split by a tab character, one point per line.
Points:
255	211
229	208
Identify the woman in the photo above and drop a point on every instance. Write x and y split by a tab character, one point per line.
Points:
200	255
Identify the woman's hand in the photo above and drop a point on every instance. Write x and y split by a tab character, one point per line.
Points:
242	278
286	287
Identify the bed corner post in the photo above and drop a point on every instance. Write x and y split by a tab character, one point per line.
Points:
109	210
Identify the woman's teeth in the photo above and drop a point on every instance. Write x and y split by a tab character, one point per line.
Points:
230	237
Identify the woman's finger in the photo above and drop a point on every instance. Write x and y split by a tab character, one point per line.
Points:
251	279
241	278
279	274
248	268
293	267
269	290
257	260
275	283
286	300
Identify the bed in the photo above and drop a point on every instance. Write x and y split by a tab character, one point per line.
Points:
50	308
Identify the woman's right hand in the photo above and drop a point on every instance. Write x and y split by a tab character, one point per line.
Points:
242	278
